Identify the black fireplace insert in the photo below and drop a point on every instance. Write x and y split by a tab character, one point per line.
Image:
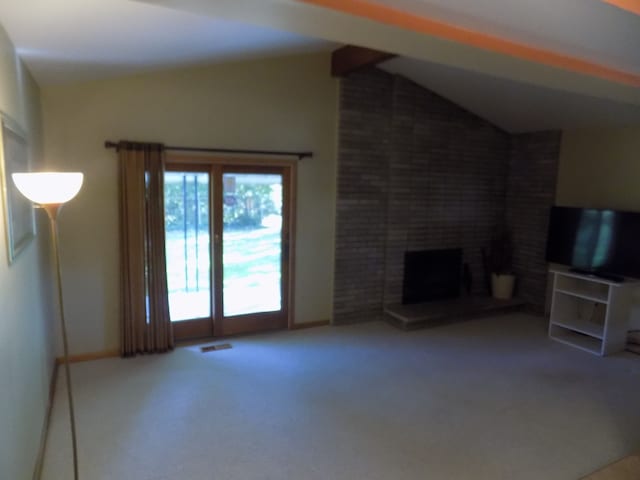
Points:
432	275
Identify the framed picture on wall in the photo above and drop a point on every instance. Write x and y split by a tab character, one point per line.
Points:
18	211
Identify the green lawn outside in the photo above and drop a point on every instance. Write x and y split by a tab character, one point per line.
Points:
251	279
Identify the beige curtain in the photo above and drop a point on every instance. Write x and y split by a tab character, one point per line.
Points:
145	322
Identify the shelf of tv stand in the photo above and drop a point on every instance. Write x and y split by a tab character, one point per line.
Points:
593	277
577	340
584	295
590	313
581	326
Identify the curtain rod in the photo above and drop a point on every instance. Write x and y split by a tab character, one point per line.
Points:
300	155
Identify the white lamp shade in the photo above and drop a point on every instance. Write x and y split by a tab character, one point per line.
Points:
49	187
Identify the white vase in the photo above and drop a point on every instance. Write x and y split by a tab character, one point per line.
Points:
502	285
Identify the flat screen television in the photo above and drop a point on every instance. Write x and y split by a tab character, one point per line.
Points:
595	241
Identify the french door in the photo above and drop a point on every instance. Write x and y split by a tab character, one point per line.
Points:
228	242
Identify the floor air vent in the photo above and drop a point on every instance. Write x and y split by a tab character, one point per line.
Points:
213	348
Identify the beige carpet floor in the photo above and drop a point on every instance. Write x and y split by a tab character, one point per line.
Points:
490	398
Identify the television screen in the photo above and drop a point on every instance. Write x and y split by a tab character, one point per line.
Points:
595	240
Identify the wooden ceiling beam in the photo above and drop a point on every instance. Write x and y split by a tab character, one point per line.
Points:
431	27
350	58
632	6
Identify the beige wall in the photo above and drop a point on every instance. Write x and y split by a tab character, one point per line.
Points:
26	318
287	103
601	169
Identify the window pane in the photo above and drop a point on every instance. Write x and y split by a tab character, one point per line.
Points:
252	243
187	216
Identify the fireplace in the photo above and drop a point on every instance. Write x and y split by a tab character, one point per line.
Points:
431	275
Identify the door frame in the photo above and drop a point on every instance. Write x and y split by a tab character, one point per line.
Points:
216	166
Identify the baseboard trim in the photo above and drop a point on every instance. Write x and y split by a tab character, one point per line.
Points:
87	357
37	471
305	325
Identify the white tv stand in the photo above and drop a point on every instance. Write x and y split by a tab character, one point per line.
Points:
589	312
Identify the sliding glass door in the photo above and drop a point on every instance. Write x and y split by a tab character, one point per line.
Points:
228	240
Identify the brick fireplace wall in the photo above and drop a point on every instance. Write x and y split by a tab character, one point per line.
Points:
416	171
447	182
361	217
531	190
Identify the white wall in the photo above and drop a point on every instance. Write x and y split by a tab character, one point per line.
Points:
26	314
600	168
287	103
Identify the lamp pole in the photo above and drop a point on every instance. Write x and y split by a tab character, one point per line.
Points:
52	210
51	190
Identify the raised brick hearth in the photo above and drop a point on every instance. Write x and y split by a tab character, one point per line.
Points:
415	172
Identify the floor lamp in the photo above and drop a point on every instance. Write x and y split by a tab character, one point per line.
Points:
51	190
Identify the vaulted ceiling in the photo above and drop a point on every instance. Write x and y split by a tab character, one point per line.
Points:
522	65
